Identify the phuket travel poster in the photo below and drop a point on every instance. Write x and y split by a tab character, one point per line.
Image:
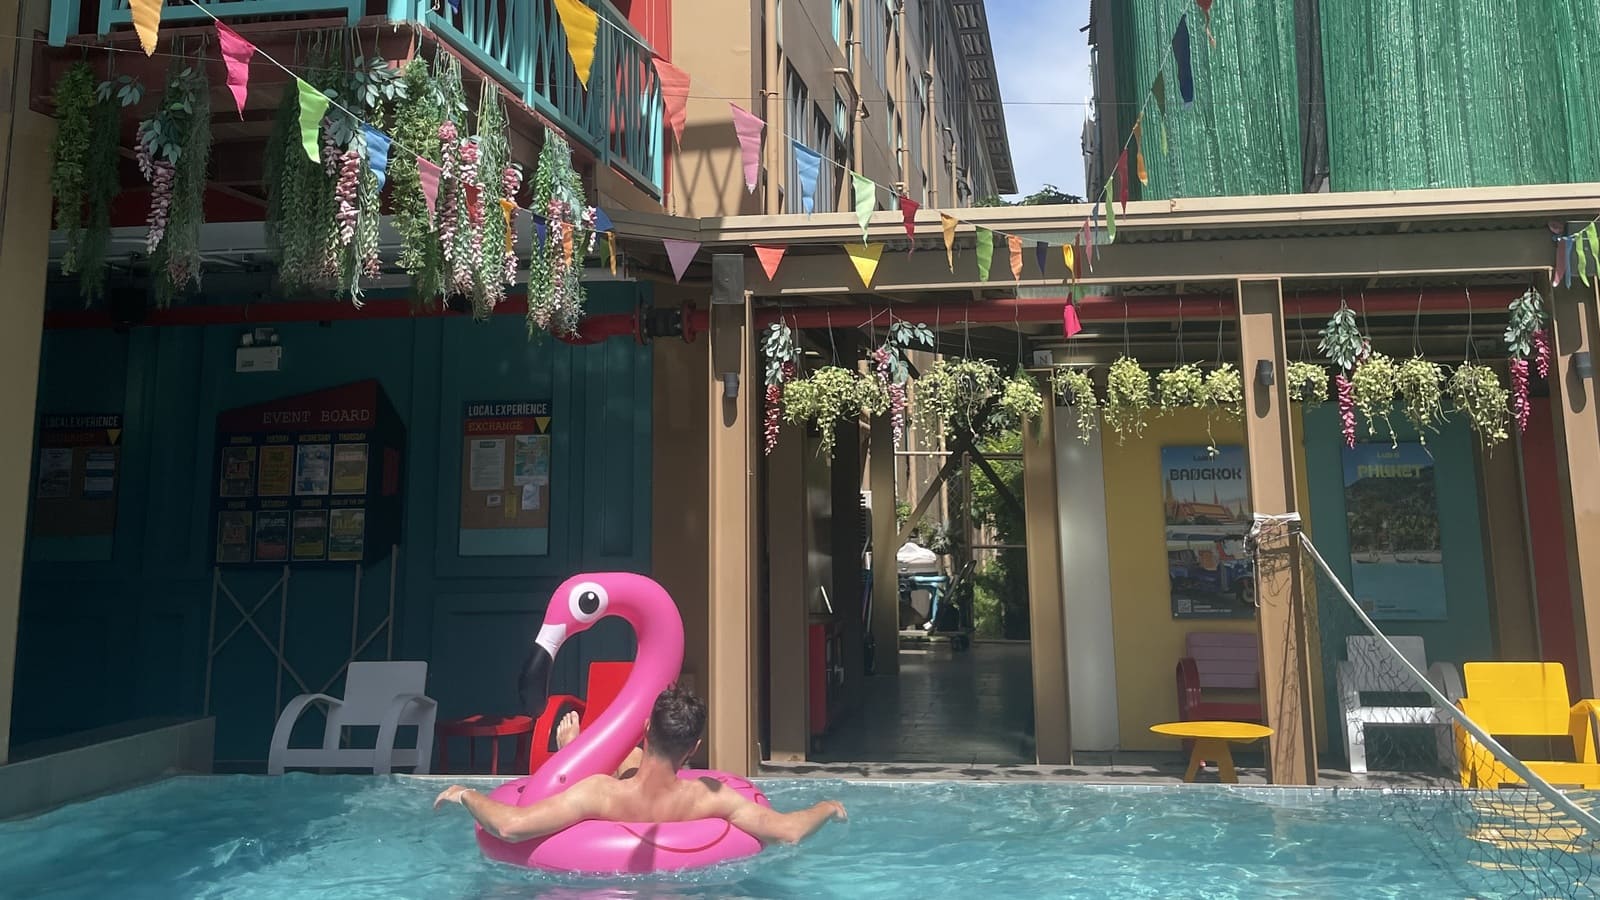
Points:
1391	510
1207	516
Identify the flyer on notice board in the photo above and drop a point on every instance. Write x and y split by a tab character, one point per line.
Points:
238	471
346	527
233	536
312	469
272	535
277	471
310	534
350	469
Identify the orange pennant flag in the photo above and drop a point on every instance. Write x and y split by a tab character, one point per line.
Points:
1015	243
506	206
1138	156
949	225
865	259
611	245
566	244
147	21
770	255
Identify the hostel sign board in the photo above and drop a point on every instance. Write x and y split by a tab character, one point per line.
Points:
313	478
1206	499
75	489
505	479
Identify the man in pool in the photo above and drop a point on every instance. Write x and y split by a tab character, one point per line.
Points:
646	789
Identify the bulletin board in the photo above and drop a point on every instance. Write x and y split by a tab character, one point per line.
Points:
505	479
75	490
312	478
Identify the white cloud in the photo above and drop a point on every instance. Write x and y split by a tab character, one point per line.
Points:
1043	63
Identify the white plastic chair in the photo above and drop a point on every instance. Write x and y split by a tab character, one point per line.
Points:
385	694
1371	668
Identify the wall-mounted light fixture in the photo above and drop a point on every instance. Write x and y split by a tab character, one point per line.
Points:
1264	373
730	385
1583	364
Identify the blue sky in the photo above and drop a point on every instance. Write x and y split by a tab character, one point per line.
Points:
1043	63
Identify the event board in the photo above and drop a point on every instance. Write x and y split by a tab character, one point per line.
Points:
312	478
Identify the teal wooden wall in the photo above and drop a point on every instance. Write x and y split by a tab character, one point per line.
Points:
109	639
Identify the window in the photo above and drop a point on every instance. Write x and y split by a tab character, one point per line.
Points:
849	44
891	127
777	15
841	118
810	127
875	42
838	9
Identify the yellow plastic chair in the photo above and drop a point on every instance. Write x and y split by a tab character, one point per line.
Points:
1525	699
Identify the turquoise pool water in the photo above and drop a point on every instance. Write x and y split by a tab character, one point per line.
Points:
303	836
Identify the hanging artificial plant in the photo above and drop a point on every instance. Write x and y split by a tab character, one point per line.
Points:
829	396
1181	388
783	359
1077	389
892	372
955	395
420	109
1421	387
1307	383
75	105
174	146
1128	397
302	204
1475	390
1343	344
1019	401
368	88
555	283
1525	336
1374	383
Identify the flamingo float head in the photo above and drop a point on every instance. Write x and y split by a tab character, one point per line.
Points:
582	601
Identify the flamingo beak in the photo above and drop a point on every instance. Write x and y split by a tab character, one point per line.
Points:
533	685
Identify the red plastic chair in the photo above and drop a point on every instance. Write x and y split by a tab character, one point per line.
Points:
605	682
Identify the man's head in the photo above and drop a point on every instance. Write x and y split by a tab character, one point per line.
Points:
676	723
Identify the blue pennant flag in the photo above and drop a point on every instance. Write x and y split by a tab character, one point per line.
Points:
1567	249
539	229
1180	52
810	165
377	153
602	222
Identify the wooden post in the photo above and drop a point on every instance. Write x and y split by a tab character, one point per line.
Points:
1281	616
731	695
788	527
885	566
1573	400
1052	720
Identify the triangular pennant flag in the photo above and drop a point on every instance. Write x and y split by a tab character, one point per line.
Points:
147	21
602	222
428	177
681	253
1138	156
1582	248
866	201
566	245
1069	256
1122	179
770	255
113	435
1069	320
908	213
377	144
1159	89
541	230
1567	267
865	259
1086	242
674	96
1180	52
749	127
1014	244
1594	245
808	165
313	106
582	27
236	53
1111	208
985	252
1560	268
1039	249
611	249
506	208
948	223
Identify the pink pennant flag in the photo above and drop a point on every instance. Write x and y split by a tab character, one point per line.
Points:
428	175
749	126
908	211
1088	246
770	255
681	253
1069	320
236	53
674	95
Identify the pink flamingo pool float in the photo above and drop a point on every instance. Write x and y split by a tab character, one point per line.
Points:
596	847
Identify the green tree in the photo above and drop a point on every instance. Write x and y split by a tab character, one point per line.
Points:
1000	601
1049	195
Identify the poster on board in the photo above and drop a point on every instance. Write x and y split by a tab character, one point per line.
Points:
75	486
505	479
1391	510
1206	502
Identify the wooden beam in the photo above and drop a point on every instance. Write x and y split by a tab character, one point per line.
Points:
1052	719
1281	614
928	496
731	695
788	621
885	566
1576	325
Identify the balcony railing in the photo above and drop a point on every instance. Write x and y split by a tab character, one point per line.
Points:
520	42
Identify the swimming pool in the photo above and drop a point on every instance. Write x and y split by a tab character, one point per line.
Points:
304	836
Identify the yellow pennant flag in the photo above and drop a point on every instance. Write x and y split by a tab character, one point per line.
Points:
147	21
865	258
1138	155
1069	257
506	206
611	245
949	225
582	26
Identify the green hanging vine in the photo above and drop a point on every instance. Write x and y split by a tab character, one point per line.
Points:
174	148
302	204
555	283
1076	388
830	395
954	396
1476	391
419	111
75	107
1128	398
1307	383
1421	387
1375	384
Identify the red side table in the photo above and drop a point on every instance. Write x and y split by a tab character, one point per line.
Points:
492	727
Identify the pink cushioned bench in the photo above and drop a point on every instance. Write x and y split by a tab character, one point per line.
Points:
1219	660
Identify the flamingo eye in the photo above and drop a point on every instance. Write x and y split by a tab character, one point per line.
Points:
587	602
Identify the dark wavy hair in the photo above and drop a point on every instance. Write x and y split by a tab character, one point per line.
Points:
676	723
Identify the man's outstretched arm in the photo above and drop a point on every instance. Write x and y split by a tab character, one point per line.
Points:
768	825
521	823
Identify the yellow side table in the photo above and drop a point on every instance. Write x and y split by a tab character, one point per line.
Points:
1211	741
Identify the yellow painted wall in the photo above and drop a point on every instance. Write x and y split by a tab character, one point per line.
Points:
1149	641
